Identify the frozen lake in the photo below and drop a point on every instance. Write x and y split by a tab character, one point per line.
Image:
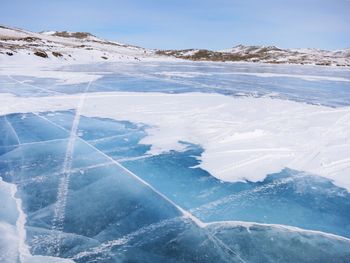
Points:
312	84
175	162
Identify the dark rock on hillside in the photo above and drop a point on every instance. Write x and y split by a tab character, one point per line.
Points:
41	53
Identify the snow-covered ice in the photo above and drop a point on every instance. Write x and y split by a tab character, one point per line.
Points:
243	138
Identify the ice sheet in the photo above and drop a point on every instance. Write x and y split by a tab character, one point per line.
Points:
143	168
124	216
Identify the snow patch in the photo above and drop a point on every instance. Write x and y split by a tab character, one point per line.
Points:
243	138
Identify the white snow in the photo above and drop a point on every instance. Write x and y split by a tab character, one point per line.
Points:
243	138
73	50
11	33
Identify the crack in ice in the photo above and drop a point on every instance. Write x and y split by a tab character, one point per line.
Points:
62	194
13	130
36	87
185	213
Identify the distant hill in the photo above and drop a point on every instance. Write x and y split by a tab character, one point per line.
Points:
265	54
84	47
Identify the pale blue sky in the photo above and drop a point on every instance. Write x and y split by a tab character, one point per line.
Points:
215	24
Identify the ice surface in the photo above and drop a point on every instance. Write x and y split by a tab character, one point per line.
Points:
138	224
318	85
9	241
157	177
289	197
12	233
213	79
258	243
306	198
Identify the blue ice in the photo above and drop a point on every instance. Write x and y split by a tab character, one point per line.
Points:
112	215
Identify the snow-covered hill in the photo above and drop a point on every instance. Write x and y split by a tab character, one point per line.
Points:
77	47
266	54
81	47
